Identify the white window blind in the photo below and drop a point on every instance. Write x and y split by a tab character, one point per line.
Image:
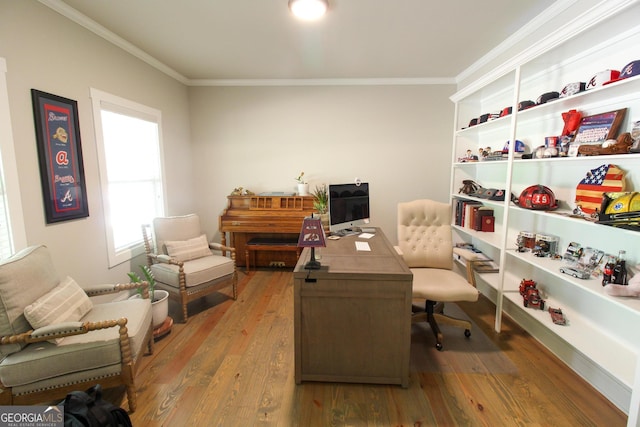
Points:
12	229
129	152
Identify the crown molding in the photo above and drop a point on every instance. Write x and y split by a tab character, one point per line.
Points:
603	10
326	82
529	28
91	25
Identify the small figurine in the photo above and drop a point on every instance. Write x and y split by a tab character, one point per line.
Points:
239	191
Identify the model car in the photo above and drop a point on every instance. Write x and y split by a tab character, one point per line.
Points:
532	298
526	284
557	316
575	272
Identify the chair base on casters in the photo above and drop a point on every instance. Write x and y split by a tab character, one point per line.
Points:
434	313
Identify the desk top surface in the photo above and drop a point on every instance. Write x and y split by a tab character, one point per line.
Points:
341	257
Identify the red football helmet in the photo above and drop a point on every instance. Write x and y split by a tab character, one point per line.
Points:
538	197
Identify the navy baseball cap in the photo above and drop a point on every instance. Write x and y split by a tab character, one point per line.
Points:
629	70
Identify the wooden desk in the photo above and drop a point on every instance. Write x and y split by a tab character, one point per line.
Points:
352	318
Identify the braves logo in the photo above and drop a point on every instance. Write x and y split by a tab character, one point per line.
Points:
67	197
62	158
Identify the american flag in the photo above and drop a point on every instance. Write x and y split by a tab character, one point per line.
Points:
603	179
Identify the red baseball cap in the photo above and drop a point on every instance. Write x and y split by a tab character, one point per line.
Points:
602	77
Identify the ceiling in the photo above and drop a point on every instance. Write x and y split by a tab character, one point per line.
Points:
216	40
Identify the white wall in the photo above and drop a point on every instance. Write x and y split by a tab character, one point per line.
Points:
397	138
45	51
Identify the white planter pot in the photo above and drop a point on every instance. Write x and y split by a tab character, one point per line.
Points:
160	307
303	189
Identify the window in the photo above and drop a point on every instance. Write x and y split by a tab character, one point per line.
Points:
129	154
12	230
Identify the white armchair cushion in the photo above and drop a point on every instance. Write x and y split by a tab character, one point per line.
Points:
197	271
186	250
24	277
78	357
67	302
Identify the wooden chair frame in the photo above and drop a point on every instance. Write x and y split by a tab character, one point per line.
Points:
184	295
129	364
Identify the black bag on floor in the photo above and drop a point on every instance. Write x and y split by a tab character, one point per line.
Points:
88	409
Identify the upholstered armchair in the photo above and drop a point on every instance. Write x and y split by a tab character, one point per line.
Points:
425	242
182	261
54	339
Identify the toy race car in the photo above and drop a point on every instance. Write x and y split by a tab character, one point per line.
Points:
532	298
575	272
526	284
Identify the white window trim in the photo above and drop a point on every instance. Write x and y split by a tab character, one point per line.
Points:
99	97
10	168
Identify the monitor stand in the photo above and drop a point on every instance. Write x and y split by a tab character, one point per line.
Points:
348	232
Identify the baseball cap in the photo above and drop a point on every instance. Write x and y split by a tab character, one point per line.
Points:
523	105
546	97
572	89
505	111
600	78
519	147
629	70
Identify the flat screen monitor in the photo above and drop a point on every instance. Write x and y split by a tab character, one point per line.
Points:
348	206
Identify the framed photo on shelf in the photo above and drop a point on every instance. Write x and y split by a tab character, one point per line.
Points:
60	157
599	127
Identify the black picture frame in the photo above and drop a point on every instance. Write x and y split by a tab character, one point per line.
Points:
60	157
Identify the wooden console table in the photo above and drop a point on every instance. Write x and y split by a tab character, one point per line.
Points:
352	318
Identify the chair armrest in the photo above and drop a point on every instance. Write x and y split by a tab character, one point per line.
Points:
64	329
166	259
220	247
95	290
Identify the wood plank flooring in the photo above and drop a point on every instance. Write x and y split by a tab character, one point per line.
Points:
232	364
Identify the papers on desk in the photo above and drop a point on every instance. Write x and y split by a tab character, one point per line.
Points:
366	235
362	246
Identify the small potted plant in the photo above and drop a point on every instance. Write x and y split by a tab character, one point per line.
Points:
321	202
159	297
303	186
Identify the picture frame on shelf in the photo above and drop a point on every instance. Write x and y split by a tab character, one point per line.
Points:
599	127
60	157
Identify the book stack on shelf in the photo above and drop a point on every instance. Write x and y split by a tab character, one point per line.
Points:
474	215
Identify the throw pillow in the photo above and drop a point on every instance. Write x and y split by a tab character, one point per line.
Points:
185	250
67	302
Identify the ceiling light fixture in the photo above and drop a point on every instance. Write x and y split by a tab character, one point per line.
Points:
308	10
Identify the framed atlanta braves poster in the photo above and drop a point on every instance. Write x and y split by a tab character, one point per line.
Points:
60	157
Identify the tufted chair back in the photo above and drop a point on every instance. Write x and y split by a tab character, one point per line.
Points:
424	234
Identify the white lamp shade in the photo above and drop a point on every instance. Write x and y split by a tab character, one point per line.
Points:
308	9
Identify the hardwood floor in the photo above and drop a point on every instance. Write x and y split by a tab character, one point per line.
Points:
232	364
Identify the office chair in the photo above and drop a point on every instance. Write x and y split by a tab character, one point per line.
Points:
426	245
